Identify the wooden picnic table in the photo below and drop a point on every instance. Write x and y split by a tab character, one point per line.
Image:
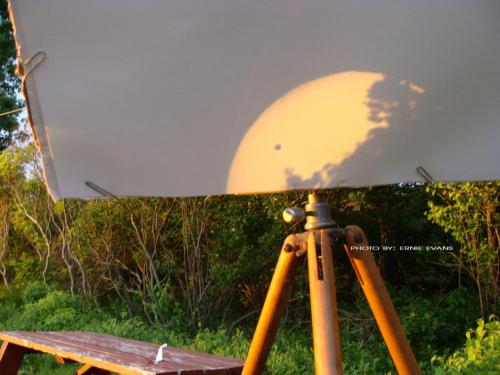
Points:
103	354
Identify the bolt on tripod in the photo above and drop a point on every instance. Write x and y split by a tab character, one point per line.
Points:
315	242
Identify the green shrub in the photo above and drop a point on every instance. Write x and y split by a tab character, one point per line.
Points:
8	309
431	322
57	311
480	354
34	291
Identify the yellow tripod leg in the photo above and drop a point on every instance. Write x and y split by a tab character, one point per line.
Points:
380	302
276	299
325	323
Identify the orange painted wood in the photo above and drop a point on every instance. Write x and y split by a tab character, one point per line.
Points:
122	356
91	370
274	305
380	303
11	357
324	313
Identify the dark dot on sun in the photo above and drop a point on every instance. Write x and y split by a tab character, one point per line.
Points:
277	147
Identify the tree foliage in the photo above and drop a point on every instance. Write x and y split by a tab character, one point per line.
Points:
479	355
9	83
470	212
210	259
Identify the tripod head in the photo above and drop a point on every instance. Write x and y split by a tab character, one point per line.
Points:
316	213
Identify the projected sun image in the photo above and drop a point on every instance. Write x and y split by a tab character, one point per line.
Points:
318	124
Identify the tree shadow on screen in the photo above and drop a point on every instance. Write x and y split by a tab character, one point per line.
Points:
403	117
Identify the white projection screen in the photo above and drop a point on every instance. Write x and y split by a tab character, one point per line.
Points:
198	97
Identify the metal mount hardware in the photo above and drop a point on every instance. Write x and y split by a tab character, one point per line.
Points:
32	63
318	214
294	215
424	174
100	190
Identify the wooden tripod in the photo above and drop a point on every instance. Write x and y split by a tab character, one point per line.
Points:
316	243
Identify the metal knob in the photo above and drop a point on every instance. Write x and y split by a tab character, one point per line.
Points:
294	215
